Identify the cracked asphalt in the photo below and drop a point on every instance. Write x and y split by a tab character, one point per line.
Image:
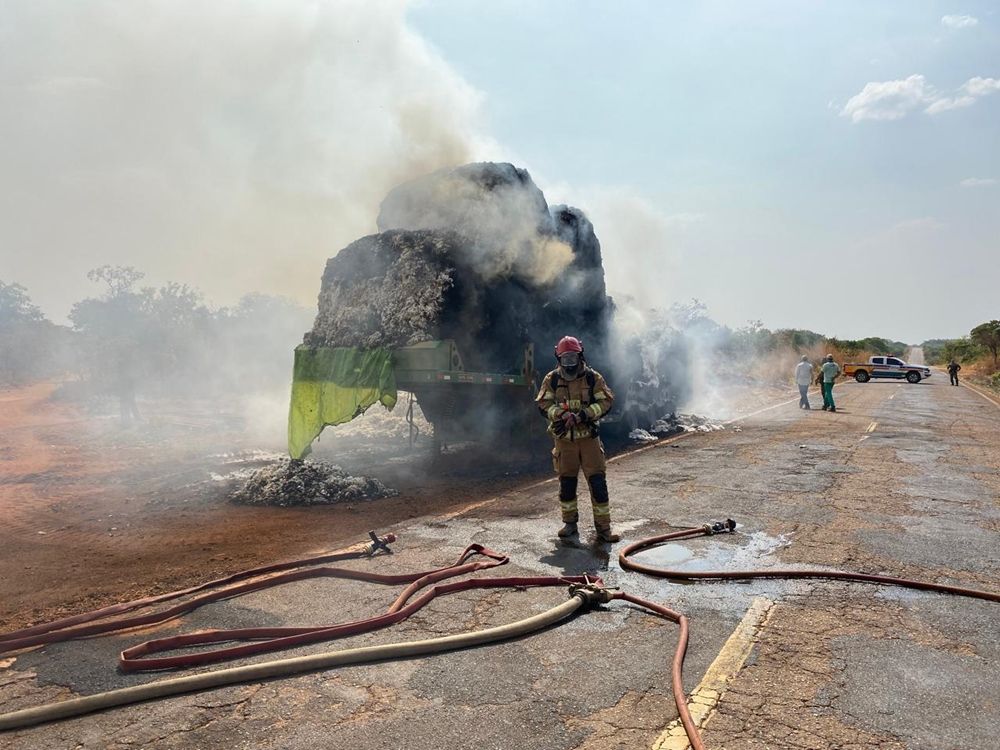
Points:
837	665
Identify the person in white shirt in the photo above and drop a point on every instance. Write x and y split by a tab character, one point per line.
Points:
803	379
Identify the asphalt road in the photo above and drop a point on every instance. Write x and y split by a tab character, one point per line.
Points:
902	480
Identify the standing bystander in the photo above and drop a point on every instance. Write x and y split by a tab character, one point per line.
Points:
829	372
953	368
803	379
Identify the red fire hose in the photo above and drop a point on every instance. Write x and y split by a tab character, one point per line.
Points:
583	591
267	639
728	526
66	628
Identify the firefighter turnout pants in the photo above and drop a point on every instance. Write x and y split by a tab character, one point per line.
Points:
568	458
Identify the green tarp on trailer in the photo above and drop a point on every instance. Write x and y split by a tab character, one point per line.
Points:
333	386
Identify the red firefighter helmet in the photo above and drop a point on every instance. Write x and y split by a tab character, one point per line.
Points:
569	344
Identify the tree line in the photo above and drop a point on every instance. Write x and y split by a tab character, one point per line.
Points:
980	350
164	340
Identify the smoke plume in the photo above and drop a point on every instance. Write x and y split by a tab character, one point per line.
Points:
230	145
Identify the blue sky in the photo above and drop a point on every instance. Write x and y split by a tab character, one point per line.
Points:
826	165
780	200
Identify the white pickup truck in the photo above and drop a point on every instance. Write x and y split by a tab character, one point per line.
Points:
886	367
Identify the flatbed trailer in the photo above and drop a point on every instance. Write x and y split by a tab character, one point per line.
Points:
333	386
468	405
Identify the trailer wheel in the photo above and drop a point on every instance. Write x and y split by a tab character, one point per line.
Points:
862	376
913	376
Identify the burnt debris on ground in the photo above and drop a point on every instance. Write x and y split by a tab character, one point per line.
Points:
674	424
291	483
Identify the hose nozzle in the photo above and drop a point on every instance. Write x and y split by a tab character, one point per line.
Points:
380	544
720	527
592	593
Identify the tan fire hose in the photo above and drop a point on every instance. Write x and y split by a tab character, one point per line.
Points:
581	593
297	665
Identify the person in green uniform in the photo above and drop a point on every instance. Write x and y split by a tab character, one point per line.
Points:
829	372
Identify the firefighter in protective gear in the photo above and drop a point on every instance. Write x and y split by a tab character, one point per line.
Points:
573	398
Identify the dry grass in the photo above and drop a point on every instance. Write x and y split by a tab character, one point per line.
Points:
778	365
982	372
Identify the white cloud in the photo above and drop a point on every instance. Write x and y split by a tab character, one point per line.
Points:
981	86
889	100
959	22
893	100
949	102
972	182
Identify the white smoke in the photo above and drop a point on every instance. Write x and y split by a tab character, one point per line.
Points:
641	243
232	145
496	206
646	248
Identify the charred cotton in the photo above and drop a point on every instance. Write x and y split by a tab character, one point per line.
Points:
287	483
674	424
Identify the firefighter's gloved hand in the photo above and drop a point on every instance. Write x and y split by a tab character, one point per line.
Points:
583	416
570	419
559	428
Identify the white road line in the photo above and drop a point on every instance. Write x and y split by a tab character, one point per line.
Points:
981	394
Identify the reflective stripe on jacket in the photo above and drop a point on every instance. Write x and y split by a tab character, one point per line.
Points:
575	395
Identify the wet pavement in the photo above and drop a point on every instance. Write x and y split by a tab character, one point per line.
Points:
902	480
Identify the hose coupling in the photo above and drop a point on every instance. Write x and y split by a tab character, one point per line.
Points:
720	527
380	544
592	593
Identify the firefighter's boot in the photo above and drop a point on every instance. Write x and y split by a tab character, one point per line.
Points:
567	503
605	534
602	510
568	530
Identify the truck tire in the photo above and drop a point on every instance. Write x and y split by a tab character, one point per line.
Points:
862	376
913	376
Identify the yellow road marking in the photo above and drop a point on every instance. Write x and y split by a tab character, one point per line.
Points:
871	427
727	665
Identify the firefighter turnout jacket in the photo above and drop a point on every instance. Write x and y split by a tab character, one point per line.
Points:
587	395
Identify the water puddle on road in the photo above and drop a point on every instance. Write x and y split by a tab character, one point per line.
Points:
726	552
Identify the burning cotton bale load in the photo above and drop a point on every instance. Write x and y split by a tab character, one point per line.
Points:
475	256
472	254
287	483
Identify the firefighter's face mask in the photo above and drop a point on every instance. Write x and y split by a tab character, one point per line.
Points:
570	361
